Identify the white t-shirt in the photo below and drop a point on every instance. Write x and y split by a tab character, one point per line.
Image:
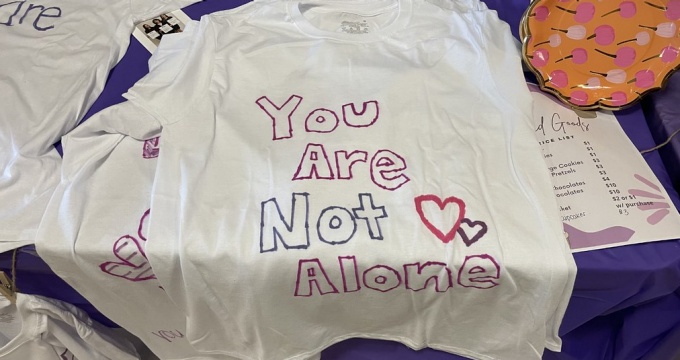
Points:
38	328
54	62
366	169
95	228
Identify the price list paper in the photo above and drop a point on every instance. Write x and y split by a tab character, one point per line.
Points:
607	194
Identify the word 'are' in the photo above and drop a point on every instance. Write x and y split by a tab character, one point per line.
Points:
16	12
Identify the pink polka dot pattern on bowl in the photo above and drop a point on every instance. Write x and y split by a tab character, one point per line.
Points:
602	54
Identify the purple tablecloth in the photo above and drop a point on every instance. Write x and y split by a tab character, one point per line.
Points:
662	110
626	300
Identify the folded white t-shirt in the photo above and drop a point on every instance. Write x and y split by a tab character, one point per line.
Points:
39	328
95	228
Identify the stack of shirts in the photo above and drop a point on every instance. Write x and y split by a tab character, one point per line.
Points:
54	61
292	174
38	328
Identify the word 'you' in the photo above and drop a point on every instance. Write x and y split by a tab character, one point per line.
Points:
386	167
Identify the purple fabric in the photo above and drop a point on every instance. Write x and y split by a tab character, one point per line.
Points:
510	11
621	294
626	300
33	276
663	115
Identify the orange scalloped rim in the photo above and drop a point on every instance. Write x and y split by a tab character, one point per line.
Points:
601	54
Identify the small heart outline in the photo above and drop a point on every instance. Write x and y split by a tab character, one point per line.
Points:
471	225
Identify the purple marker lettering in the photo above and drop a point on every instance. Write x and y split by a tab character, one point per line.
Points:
143	222
381	278
350	273
321	121
479	271
282	127
317	279
386	170
370	213
336	225
366	117
274	228
167	335
314	164
50	12
344	162
8	22
151	149
67	355
418	277
30	7
132	263
160	335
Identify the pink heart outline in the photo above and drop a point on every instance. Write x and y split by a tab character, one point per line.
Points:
445	238
471	225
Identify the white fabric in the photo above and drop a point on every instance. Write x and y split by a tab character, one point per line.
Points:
39	328
94	231
362	169
54	62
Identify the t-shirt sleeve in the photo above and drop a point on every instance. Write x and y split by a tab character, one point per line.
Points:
68	326
503	52
179	74
146	9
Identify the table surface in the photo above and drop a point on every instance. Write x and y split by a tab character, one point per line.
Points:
625	303
663	115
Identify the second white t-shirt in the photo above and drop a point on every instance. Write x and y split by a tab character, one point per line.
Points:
95	228
39	328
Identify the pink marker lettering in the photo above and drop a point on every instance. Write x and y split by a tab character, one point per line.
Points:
345	161
366	117
387	170
381	278
311	275
168	335
314	164
321	121
350	274
418	276
479	271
